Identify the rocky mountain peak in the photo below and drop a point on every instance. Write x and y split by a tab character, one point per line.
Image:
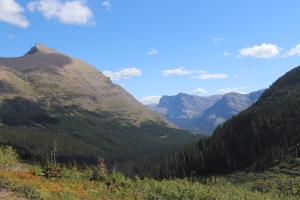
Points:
40	48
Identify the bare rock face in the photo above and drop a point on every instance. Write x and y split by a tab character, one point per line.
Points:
44	73
203	114
186	106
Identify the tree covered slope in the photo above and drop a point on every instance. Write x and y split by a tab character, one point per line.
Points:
259	137
46	96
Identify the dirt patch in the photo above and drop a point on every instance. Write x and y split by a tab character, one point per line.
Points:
8	195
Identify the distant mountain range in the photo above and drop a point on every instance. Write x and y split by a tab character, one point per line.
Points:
202	114
47	96
264	135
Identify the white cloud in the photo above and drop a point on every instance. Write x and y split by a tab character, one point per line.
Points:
150	99
207	76
217	40
261	51
200	91
11	12
181	71
125	73
202	72
106	5
241	90
67	12
294	51
152	52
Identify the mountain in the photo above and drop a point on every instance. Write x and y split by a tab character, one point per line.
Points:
46	74
229	105
186	106
264	135
203	114
46	96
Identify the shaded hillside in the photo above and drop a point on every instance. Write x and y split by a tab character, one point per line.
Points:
46	96
264	133
257	138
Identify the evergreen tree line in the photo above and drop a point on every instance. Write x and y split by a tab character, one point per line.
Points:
257	138
83	136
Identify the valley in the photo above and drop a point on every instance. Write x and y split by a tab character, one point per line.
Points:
144	158
149	100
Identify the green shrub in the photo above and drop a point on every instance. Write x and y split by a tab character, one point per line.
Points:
117	180
36	170
96	175
70	173
52	171
8	157
287	188
26	190
262	187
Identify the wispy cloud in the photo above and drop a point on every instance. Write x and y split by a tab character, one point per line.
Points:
200	74
67	12
217	40
152	52
180	71
295	51
106	5
207	76
260	51
200	91
150	99
11	12
241	90
125	73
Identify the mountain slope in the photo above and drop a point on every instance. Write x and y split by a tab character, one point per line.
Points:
203	114
264	133
53	76
261	136
47	96
229	105
186	106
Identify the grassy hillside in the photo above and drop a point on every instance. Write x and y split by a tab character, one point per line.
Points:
74	184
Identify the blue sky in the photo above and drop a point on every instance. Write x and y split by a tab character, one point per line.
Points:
154	47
